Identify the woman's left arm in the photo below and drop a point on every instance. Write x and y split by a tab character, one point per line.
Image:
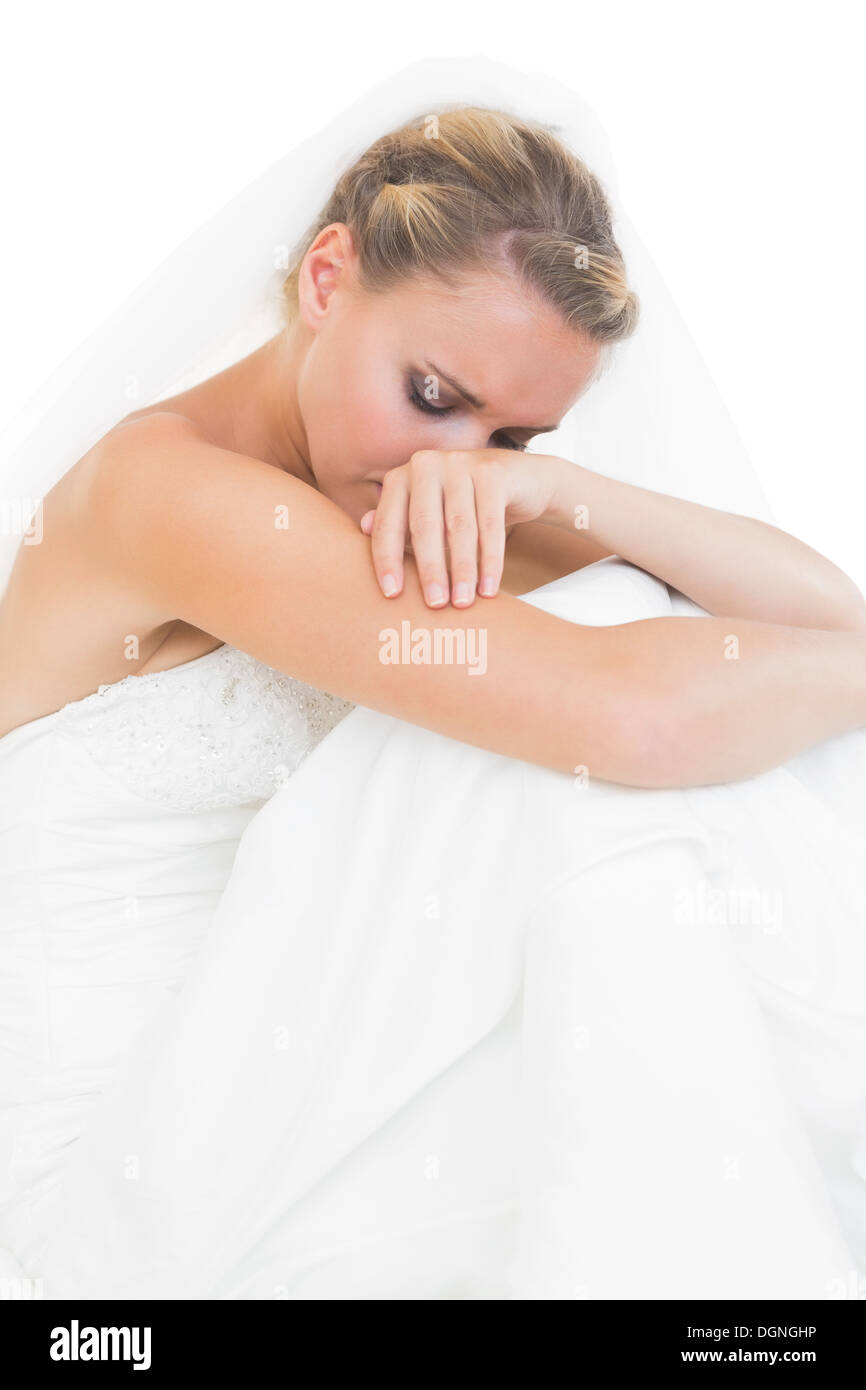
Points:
732	565
454	508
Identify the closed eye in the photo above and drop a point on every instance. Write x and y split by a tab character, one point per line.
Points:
421	404
425	405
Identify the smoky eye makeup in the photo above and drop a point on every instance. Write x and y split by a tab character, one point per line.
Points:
418	399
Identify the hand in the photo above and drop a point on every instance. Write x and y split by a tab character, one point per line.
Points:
460	501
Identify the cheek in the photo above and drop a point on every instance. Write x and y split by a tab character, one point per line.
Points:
358	422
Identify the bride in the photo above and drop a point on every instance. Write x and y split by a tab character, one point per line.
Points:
303	1001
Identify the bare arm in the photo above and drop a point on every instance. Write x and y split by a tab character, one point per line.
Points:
727	563
536	553
463	501
265	563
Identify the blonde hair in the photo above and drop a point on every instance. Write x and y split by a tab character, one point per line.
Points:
474	185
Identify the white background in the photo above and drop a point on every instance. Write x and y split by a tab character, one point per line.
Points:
737	130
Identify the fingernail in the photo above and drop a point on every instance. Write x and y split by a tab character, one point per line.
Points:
435	594
389	585
487	587
462	593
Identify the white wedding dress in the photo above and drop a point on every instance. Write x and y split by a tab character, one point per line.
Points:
445	1026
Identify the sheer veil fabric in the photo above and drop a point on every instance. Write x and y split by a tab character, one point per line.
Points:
463	1028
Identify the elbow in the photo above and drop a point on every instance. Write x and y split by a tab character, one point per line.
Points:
846	607
641	744
855	613
849	617
664	755
630	712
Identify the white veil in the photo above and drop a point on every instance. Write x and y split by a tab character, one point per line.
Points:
654	417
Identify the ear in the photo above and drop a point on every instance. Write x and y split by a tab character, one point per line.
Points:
328	265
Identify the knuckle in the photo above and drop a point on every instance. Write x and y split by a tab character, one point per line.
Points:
426	525
390	479
423	460
387	526
386	546
491	466
459	522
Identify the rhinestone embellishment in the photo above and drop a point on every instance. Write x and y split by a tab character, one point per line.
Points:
221	730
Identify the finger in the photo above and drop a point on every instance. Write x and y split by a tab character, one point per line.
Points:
490	513
388	535
427	529
461	529
367	521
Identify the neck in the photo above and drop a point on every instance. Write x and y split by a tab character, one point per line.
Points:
253	404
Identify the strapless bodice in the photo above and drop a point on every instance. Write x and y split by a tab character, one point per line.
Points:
221	730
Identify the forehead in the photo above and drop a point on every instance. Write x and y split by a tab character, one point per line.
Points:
498	338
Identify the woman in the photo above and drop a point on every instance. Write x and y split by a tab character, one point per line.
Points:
219	537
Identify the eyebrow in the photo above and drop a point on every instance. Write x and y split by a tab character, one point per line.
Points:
479	404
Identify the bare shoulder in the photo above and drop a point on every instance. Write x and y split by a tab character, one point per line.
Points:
66	617
160	479
155	422
167	512
156	458
133	438
111	469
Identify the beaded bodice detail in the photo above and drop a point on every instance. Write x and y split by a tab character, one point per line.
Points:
221	730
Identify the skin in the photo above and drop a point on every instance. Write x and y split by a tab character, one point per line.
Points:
161	543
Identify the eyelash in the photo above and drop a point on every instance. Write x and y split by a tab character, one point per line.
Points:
419	402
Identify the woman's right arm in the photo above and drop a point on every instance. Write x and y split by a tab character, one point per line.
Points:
262	561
